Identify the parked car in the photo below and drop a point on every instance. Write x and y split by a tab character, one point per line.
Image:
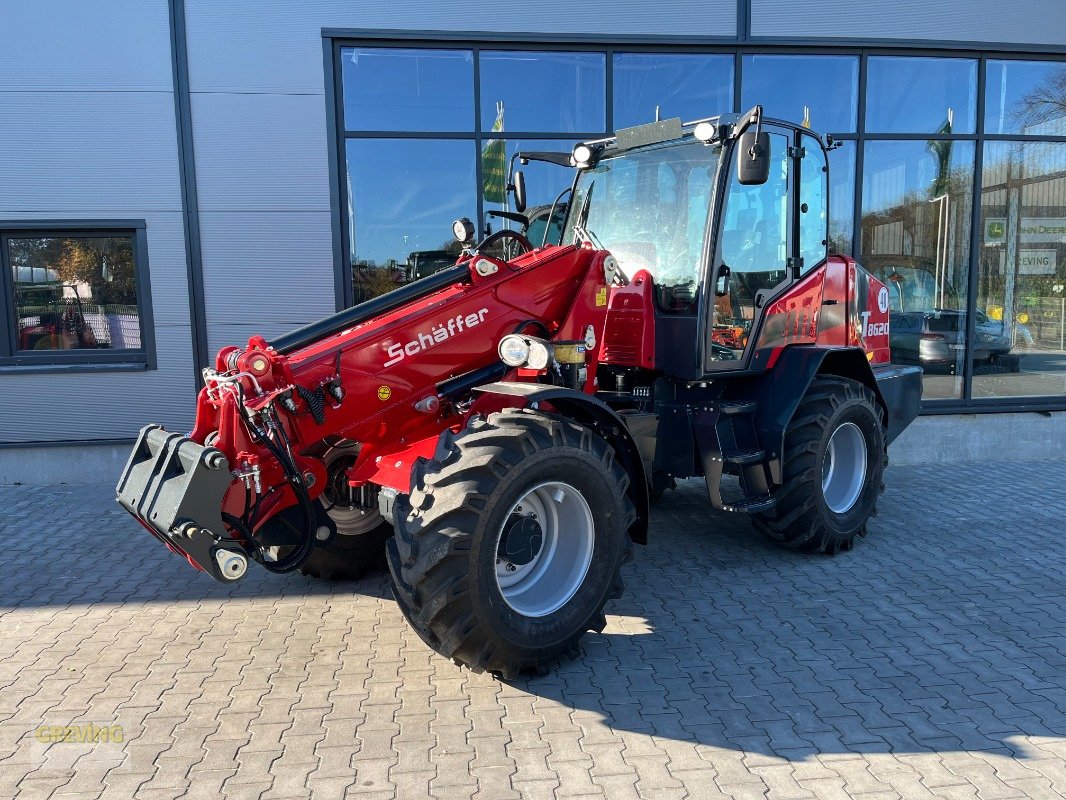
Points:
936	339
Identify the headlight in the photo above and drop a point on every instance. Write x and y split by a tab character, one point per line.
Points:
514	351
524	351
539	353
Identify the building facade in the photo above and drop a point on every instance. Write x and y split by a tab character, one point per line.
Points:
177	176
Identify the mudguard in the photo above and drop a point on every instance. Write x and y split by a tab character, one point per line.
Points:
777	392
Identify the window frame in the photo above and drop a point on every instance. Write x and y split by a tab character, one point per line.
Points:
335	38
13	360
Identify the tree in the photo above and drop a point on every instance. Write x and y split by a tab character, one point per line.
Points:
1045	103
103	264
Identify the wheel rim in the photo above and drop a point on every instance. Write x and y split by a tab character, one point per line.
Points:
353	511
544	548
844	468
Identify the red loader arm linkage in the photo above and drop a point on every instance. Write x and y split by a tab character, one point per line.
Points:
391	378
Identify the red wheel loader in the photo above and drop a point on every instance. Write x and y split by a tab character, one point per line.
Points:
498	429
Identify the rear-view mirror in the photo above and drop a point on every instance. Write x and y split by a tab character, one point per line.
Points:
519	188
753	158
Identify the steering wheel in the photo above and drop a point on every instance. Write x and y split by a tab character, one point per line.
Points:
517	239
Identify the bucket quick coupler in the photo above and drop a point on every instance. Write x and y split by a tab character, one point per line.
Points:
175	488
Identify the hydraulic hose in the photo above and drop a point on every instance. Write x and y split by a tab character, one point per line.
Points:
303	550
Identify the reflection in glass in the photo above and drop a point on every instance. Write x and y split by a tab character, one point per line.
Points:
920	95
915	238
544	184
1020	346
404	195
687	86
393	89
1026	97
842	198
552	92
783	85
74	292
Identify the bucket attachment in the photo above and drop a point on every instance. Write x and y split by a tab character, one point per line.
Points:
175	488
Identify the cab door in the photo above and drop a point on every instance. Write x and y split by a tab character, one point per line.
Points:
754	254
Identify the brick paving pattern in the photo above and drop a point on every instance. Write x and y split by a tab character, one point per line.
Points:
929	662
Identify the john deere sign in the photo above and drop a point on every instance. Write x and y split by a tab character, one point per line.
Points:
1032	230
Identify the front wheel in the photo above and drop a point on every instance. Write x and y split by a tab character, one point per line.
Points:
358	546
834	462
511	541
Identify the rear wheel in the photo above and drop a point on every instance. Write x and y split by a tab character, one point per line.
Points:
511	541
834	462
358	546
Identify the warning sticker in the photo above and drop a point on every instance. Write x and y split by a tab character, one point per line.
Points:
384	393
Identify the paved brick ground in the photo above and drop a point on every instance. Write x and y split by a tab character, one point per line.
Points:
929	662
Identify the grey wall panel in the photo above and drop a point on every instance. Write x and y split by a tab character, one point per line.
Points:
267	266
105	405
263	152
89	151
1022	21
87	132
274	45
85	44
220	334
166	253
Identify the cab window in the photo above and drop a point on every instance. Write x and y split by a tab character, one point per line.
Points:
813	221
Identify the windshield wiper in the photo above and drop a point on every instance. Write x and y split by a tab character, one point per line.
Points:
584	233
582	220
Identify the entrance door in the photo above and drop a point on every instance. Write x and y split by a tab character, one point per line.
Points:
754	245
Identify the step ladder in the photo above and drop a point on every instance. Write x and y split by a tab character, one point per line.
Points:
728	439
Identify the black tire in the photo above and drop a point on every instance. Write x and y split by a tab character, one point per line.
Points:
802	518
443	558
347	558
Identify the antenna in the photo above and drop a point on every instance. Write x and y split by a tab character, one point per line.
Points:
658	116
806	116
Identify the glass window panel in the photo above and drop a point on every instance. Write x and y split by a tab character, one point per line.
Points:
920	95
754	244
404	195
686	86
649	207
1025	97
553	92
842	198
915	237
393	89
74	292
544	183
1020	327
783	85
812	217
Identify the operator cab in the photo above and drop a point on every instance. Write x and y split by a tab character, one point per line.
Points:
692	206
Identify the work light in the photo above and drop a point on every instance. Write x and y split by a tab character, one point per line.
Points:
582	156
703	132
463	230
